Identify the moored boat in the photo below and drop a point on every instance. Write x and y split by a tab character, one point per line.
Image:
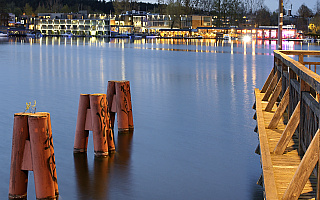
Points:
2	34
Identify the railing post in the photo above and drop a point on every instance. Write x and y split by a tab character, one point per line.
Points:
301	58
304	87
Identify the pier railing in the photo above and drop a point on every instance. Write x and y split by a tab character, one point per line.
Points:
304	86
296	86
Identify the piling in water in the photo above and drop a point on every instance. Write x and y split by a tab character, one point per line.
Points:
32	150
119	98
93	116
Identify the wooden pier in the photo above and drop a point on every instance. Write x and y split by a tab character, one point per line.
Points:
287	115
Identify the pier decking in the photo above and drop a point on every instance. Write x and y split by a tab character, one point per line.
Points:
288	130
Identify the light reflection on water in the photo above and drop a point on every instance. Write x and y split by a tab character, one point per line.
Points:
192	102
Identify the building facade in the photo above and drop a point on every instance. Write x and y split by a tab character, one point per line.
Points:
94	25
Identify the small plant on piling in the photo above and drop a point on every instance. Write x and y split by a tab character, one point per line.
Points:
30	108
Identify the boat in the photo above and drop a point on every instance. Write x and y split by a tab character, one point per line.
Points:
68	34
135	37
31	34
2	34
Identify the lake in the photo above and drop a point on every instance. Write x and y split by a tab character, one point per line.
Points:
192	109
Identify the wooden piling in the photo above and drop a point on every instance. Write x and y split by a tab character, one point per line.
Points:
119	98
81	136
42	159
18	178
99	124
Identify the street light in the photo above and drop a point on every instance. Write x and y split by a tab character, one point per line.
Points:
280	23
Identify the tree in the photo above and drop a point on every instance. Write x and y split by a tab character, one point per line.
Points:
252	6
317	7
65	9
28	9
2	6
274	18
263	17
40	9
174	9
304	14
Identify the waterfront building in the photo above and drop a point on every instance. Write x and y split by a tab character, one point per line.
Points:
76	24
155	22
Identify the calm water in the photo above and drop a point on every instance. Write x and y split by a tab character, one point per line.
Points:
192	100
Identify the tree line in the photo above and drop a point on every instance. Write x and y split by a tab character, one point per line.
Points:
225	12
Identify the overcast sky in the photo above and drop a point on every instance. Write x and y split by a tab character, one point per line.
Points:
274	4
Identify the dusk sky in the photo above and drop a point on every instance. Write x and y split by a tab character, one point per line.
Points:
274	4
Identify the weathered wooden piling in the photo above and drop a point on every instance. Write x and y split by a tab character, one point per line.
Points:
42	160
119	98
18	184
81	136
32	150
93	116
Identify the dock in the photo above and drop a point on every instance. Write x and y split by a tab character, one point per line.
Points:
287	115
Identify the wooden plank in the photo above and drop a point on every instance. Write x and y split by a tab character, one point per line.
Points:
288	131
303	52
303	72
268	175
295	84
274	95
271	87
266	84
311	102
281	109
304	170
88	124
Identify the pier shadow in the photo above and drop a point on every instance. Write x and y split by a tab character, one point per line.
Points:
107	171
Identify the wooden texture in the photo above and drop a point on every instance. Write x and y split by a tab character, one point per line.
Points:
283	166
310	77
266	84
304	170
271	86
268	175
281	109
274	95
288	131
295	177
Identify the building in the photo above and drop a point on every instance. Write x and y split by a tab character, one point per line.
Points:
59	23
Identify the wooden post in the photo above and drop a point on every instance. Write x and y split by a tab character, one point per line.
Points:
53	158
99	123
271	86
110	135
304	87
18	178
81	136
301	58
119	97
288	131
122	106
93	115
304	170
42	159
266	84
280	110
274	95
111	92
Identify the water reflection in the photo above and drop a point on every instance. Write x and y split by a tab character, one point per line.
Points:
197	93
253	47
94	184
